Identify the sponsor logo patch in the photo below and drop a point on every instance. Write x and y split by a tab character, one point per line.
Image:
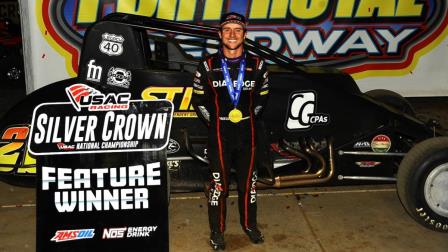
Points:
247	85
128	232
112	44
367	164
63	146
94	72
206	66
173	165
114	233
253	192
215	189
173	146
84	96
381	143
361	145
119	77
71	235
302	112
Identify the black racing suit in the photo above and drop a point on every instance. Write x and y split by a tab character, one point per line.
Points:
231	144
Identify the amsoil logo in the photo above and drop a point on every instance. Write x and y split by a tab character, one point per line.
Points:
84	96
71	235
356	36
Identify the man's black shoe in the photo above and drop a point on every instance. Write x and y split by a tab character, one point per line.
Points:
255	235
217	240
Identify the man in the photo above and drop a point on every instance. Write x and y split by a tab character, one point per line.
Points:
231	112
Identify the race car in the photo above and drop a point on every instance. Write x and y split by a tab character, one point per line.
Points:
317	129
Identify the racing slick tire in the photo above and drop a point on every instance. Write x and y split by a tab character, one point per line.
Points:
423	182
392	99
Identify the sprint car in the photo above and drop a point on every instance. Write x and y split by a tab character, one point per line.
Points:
317	129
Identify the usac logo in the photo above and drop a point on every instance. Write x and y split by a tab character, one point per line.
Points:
82	95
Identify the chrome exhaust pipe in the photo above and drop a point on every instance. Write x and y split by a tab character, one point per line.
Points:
307	179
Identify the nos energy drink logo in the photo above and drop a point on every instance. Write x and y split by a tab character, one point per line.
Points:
356	36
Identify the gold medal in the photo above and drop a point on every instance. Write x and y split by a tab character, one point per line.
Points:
235	115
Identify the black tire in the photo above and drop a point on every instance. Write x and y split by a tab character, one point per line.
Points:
417	173
392	99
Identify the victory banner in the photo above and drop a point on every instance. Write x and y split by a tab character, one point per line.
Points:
102	175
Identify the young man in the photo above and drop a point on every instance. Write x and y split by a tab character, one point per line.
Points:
229	90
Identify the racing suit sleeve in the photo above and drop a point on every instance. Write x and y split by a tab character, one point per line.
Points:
201	93
262	89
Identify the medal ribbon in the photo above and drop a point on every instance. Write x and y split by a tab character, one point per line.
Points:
234	93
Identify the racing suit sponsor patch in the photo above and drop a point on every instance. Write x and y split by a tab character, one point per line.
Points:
253	192
206	66
215	189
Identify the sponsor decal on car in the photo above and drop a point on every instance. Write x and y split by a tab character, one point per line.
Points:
128	232
177	95
367	164
381	143
119	77
72	235
93	71
362	145
111	44
173	165
302	113
173	146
